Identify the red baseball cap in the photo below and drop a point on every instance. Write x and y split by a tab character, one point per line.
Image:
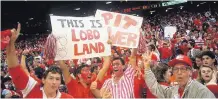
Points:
180	59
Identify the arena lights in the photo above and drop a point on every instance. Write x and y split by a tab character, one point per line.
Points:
214	2
203	2
77	9
173	2
152	12
30	18
108	2
198	5
181	7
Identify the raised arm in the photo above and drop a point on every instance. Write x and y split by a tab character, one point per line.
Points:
23	62
106	65
101	75
12	59
132	58
151	81
65	71
21	80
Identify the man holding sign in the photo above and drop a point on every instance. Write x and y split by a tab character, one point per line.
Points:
79	37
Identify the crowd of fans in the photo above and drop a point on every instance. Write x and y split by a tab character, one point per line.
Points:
196	37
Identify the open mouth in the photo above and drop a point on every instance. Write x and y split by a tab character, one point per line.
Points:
115	70
89	77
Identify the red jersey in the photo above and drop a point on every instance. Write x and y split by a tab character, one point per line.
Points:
139	84
165	52
77	90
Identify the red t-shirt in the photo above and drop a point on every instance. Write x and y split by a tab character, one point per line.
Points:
197	22
77	90
165	52
195	75
184	49
149	94
213	89
154	57
139	84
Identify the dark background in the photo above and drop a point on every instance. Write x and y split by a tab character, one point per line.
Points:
22	11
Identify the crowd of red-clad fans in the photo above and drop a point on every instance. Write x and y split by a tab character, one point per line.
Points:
196	37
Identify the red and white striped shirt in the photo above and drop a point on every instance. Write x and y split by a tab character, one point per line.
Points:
124	87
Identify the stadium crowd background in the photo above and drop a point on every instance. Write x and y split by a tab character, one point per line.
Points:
195	30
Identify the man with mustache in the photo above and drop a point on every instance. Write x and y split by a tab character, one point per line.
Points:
186	88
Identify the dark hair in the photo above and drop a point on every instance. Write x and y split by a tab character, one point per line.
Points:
39	72
192	42
121	60
208	53
179	51
2	84
159	71
79	68
52	69
194	63
5	79
198	56
152	47
98	59
94	68
184	41
15	96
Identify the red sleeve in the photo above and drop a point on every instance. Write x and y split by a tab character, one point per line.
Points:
154	57
64	95
71	86
173	41
213	89
19	77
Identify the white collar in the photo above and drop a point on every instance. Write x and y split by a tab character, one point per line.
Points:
58	96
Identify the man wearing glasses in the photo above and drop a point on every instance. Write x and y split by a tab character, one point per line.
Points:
186	88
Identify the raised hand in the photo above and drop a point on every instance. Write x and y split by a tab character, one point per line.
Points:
93	85
105	93
15	33
62	64
25	52
146	59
